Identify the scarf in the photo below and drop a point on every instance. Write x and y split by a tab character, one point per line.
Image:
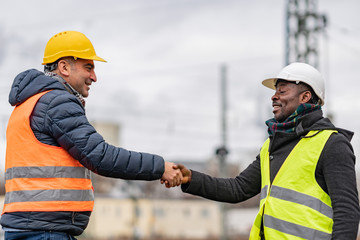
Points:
290	123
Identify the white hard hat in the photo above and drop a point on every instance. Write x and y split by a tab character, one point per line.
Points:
300	72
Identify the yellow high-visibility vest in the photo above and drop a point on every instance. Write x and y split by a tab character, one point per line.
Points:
294	206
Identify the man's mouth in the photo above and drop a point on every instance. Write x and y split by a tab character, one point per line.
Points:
276	106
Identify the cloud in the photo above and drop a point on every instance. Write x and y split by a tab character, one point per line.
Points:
161	82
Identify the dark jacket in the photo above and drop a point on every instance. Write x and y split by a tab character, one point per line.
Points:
335	174
59	119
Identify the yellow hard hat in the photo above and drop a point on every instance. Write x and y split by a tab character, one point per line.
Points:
69	44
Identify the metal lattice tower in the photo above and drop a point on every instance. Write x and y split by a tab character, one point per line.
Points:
303	25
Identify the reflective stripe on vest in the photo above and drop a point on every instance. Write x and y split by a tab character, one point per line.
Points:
41	177
295	206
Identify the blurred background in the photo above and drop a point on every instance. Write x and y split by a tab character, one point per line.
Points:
183	80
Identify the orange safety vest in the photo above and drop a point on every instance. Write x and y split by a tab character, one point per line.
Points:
40	177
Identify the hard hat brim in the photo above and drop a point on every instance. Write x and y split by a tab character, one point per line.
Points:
94	58
270	83
97	58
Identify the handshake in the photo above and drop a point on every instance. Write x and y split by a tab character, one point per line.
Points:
175	174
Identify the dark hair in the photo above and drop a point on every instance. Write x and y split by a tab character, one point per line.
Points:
53	66
314	98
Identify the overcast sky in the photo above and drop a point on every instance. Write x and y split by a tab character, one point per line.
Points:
162	78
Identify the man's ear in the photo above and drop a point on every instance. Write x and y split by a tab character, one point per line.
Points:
64	68
305	97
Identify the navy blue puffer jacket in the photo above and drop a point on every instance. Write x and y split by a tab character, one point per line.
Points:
59	119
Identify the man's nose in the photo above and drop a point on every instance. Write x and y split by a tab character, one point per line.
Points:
93	77
275	96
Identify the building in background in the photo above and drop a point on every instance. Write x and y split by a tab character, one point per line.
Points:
153	219
146	219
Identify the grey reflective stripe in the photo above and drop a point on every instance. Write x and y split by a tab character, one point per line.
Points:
263	192
49	195
301	198
295	229
47	172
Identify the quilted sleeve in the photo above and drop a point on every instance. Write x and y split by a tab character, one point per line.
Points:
69	126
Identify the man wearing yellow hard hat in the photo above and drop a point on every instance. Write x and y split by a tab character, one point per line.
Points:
52	147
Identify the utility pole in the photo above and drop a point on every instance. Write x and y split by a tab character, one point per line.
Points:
221	152
303	25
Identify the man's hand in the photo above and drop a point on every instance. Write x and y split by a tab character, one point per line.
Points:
186	173
172	175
